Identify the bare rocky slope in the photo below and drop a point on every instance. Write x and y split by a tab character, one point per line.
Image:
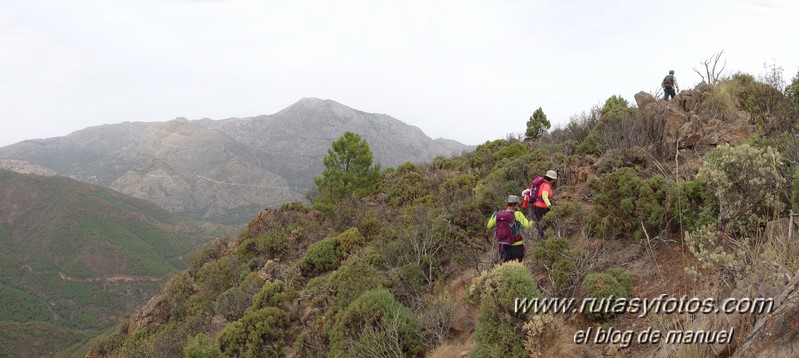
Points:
223	171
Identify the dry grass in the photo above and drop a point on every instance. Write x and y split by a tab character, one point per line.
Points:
451	349
723	100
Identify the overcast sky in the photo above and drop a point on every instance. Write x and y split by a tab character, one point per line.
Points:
465	70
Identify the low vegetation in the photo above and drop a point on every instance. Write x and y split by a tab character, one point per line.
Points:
399	263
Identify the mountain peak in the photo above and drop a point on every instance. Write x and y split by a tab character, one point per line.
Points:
313	102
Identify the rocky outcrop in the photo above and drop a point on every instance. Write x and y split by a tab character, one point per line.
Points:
682	123
24	167
152	315
776	334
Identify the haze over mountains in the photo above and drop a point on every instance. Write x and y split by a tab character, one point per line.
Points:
227	170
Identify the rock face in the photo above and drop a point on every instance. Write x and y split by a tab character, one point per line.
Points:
683	124
776	334
223	171
24	167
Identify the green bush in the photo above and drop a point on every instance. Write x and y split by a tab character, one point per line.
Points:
499	331
252	283
247	250
555	256
376	322
592	144
274	243
412	276
606	287
497	339
272	294
730	262
348	242
497	289
232	303
747	182
404	185
624	201
320	257
692	204
259	333
351	279
217	276
200	346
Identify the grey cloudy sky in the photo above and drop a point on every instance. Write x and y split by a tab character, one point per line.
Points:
466	70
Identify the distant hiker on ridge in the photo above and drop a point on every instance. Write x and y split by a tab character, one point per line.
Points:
669	83
543	199
509	237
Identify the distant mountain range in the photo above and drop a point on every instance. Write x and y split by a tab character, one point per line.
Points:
75	256
223	171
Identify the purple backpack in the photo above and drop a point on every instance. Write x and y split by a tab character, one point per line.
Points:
534	188
507	228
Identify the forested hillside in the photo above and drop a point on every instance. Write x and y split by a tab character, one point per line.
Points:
684	198
74	257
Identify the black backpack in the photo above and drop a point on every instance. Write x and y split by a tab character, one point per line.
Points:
668	82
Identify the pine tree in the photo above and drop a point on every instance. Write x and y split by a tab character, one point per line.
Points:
537	125
348	171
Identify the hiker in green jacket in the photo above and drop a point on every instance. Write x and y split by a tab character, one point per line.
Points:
508	225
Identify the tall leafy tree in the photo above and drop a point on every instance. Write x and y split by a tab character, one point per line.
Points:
348	171
537	125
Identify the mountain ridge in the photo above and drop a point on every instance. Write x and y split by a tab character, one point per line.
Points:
226	170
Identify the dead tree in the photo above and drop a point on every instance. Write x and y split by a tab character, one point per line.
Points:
711	75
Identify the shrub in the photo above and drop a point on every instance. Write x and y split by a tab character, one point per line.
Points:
348	242
559	261
497	290
412	276
176	293
320	257
260	332
351	280
625	201
200	346
746	180
542	333
455	192
232	303
605	287
497	339
376	323
592	144
404	185
252	283
210	251
271	294
274	243
614	107
730	264
693	204
511	151
217	276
